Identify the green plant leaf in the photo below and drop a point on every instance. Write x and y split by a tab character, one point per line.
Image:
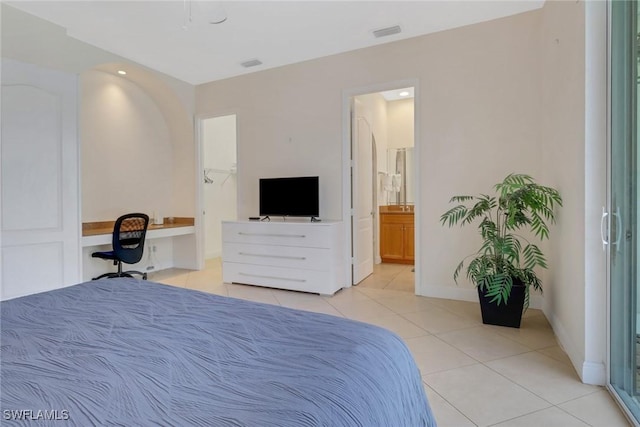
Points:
482	206
460	199
488	229
499	287
457	272
533	257
504	256
454	215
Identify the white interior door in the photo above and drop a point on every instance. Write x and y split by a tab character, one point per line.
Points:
40	206
362	197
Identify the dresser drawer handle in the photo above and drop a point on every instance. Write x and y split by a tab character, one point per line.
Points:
300	258
272	235
273	277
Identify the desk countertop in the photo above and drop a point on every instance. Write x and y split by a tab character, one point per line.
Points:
106	227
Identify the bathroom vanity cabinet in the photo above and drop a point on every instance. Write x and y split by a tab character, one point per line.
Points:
397	231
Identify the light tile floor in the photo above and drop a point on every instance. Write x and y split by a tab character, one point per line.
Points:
474	374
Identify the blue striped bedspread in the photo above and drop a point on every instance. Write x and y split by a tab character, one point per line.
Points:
125	352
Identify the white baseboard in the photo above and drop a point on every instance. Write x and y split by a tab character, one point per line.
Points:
594	373
210	255
589	372
465	294
448	292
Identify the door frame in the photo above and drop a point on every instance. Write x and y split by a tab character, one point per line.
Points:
347	94
199	177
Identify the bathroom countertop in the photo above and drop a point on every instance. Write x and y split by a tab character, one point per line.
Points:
397	209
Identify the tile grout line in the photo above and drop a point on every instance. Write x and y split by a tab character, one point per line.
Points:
449	403
531	391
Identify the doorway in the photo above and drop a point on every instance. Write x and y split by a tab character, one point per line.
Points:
218	139
381	121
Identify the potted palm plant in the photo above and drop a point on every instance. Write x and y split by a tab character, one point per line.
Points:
503	269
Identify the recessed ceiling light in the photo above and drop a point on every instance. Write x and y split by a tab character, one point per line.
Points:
404	93
122	72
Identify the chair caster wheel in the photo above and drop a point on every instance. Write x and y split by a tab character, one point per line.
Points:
144	276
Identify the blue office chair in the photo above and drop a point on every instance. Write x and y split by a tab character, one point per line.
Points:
129	232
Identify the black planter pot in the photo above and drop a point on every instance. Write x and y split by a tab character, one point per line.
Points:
509	314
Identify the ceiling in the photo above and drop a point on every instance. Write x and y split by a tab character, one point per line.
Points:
177	38
397	94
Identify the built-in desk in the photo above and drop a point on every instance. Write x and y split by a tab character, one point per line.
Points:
100	232
167	245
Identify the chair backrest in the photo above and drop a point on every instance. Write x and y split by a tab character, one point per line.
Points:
129	232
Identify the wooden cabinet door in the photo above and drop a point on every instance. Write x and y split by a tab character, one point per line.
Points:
397	238
409	246
391	241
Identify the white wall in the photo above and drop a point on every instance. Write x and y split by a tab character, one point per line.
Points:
400	116
220	196
574	154
478	110
126	150
563	140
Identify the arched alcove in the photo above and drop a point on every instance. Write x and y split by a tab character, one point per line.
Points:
136	144
137	155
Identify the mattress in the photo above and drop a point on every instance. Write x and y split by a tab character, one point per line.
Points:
129	352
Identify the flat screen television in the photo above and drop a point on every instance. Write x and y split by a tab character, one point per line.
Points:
296	196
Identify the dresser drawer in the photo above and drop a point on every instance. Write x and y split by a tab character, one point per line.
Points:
300	256
318	259
280	234
278	277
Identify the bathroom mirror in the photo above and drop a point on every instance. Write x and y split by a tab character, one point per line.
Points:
400	162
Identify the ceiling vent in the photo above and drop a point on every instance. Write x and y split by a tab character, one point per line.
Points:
384	32
251	63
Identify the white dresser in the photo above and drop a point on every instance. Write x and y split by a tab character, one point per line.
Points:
300	256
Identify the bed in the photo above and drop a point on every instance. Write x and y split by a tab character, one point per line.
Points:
130	352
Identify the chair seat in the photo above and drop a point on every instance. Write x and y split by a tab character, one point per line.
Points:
104	255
